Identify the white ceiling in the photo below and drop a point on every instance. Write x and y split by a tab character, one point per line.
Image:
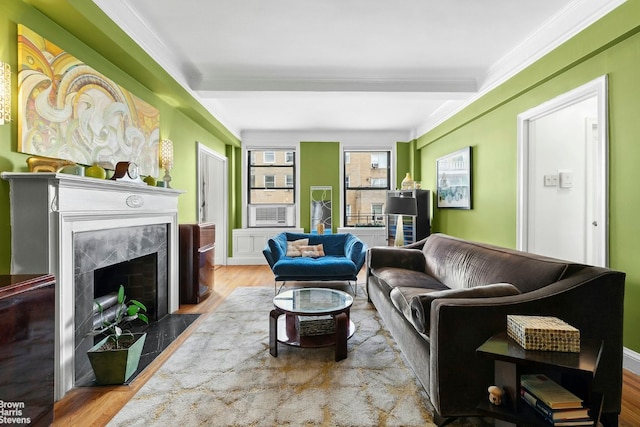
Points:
346	65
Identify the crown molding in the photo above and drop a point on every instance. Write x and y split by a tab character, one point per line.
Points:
132	24
574	18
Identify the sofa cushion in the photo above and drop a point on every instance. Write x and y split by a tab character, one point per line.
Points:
463	264
333	243
293	247
313	251
418	305
314	267
390	277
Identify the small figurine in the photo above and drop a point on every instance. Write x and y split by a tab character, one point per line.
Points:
495	395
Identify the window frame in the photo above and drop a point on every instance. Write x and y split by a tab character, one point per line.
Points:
251	180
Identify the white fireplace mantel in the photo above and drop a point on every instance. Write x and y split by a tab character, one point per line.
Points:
48	208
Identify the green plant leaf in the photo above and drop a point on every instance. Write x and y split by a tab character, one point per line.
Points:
143	317
138	304
121	294
132	310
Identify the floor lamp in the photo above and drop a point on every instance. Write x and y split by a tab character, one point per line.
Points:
401	206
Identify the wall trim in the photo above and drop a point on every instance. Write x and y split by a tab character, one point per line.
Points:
631	360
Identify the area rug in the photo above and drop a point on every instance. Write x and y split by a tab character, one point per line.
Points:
223	375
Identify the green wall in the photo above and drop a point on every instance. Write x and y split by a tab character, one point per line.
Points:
404	164
319	165
80	27
611	46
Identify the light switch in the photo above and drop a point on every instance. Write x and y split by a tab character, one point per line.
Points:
566	179
551	180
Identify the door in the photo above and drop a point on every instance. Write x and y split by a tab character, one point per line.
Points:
562	176
213	197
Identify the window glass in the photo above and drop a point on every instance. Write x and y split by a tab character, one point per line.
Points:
367	176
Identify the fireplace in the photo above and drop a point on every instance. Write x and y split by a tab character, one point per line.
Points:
135	257
88	232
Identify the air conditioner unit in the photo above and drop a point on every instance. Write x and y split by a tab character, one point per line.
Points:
272	215
374	165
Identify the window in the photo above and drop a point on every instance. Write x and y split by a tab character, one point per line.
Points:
269	156
367	176
271	188
269	181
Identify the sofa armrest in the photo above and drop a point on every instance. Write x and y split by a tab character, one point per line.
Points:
460	326
416	245
273	250
385	256
355	250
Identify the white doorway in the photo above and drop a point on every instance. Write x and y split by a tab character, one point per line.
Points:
563	176
213	197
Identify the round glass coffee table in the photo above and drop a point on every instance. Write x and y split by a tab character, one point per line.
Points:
311	318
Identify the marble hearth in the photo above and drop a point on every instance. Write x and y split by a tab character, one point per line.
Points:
68	225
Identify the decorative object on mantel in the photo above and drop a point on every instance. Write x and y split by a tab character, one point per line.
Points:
150	180
127	171
543	333
72	170
5	93
69	110
96	171
46	164
166	160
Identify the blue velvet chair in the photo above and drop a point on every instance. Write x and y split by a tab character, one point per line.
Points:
343	259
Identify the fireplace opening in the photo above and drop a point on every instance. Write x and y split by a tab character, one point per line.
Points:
140	280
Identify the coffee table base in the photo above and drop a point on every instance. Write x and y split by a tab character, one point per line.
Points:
282	328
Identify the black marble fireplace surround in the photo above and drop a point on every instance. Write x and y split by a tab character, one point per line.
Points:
133	256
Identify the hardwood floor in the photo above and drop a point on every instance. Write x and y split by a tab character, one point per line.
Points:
95	406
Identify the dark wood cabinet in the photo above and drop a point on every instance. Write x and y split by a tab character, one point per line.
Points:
197	260
415	228
27	334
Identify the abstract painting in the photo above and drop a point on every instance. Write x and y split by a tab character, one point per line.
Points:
70	111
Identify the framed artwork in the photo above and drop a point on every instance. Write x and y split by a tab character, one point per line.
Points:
454	179
67	110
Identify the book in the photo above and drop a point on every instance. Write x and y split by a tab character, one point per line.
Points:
553	415
576	423
551	393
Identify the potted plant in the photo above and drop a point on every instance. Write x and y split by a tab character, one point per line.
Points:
115	358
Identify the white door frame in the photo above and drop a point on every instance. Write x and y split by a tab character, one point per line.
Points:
595	88
219	187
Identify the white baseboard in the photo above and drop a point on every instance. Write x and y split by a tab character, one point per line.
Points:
631	360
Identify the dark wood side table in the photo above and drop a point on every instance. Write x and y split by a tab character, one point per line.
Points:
574	371
290	304
27	333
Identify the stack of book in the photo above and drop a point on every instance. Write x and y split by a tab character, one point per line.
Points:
315	325
555	403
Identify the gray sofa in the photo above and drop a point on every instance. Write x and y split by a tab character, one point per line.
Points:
443	297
